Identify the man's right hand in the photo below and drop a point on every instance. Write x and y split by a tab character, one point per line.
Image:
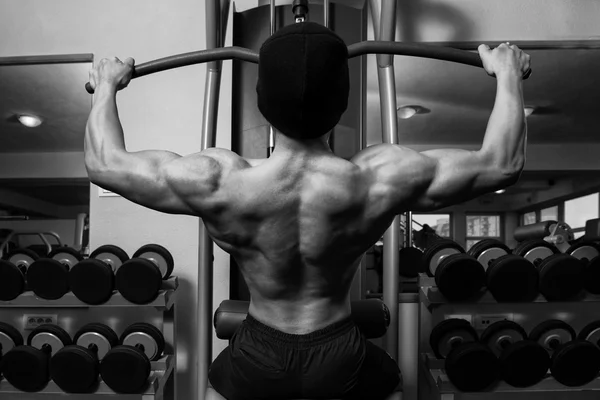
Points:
504	59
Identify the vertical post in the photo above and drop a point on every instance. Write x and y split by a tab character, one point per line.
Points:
205	245
409	235
273	18
391	238
326	13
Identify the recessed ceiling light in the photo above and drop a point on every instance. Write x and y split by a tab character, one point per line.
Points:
406	112
30	121
528	110
500	191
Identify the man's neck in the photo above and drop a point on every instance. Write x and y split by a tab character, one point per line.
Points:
285	144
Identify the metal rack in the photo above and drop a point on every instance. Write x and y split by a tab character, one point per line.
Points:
161	383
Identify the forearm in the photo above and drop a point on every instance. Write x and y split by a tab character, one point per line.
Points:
104	133
506	133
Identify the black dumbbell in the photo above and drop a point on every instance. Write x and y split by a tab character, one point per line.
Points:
48	277
410	262
458	276
560	275
523	362
76	368
93	280
13	270
509	277
470	365
9	339
574	362
139	280
126	368
588	253
27	367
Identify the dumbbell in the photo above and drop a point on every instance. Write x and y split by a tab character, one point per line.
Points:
560	275
27	367
588	253
574	362
410	262
470	365
48	277
457	275
139	279
76	368
93	280
13	270
509	277
9	339
523	362
126	368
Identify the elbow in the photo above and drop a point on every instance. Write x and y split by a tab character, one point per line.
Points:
510	174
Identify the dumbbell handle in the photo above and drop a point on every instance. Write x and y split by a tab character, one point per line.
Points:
46	348
553	343
140	346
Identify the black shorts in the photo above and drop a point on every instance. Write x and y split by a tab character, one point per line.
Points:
335	362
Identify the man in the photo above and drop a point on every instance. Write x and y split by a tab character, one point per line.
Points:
299	222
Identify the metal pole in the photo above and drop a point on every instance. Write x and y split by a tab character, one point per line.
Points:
326	13
205	245
409	234
271	145
391	238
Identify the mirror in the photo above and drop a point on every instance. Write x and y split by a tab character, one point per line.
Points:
43	181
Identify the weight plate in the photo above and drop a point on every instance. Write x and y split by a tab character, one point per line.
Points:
75	369
450	333
99	335
499	335
576	363
66	255
26	368
512	278
113	255
552	333
158	255
459	277
561	277
487	250
591	333
48	334
139	281
92	281
585	251
9	338
48	279
524	363
591	276
472	367
22	257
535	249
410	262
12	281
125	370
438	251
147	335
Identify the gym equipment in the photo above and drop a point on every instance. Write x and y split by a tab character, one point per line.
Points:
574	362
371	316
126	368
93	280
557	233
48	277
76	368
27	367
13	271
470	365
523	362
9	339
560	275
411	262
509	277
588	253
41	250
457	275
140	279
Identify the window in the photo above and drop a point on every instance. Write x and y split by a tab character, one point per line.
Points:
579	210
482	227
529	218
438	222
549	214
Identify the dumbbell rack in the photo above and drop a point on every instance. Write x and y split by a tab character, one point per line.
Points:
161	384
434	383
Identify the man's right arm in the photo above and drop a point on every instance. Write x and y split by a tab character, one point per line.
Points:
437	178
